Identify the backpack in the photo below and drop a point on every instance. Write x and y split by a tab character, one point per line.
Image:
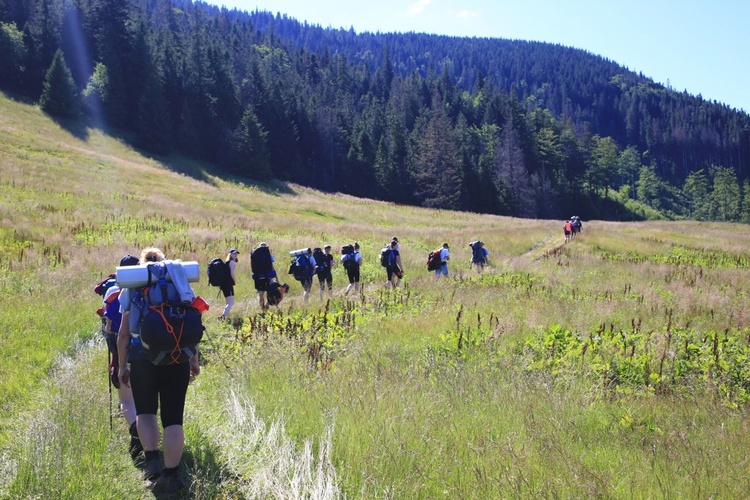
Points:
349	261
301	268
347	249
169	330
218	272
434	261
386	256
260	262
321	261
477	254
105	284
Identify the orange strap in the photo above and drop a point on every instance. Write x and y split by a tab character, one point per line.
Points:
175	354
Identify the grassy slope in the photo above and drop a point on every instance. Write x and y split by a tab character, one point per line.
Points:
410	414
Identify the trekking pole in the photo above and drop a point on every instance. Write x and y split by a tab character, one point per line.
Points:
109	379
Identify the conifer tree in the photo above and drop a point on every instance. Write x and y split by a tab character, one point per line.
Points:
59	94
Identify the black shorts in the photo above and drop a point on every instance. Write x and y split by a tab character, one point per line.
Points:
325	277
261	284
353	274
164	385
227	290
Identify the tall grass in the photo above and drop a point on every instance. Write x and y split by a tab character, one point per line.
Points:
612	366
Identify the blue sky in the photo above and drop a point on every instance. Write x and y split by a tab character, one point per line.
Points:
698	46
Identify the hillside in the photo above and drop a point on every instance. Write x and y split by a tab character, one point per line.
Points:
484	125
615	365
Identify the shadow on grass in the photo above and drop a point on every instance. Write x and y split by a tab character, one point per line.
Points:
205	476
74	127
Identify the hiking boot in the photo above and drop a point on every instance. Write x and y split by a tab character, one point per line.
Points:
169	484
152	469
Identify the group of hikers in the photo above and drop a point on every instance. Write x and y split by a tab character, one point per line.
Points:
307	263
151	319
572	227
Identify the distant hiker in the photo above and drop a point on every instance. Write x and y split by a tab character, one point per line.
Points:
444	255
276	292
303	269
157	384
478	255
324	262
261	263
227	288
390	259
567	230
351	259
112	318
576	226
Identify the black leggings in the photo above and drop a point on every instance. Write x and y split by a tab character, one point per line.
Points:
153	384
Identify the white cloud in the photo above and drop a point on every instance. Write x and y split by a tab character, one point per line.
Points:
419	6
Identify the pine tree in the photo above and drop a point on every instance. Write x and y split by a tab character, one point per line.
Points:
59	94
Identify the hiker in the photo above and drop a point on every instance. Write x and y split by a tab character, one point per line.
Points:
112	318
390	258
303	269
324	262
227	287
155	384
445	256
567	230
576	226
261	263
478	255
276	292
352	261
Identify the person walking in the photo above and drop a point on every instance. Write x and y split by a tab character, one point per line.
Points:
324	262
262	265
227	288
445	256
152	385
112	319
306	264
478	255
352	262
391	260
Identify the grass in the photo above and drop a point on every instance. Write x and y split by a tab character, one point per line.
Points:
612	366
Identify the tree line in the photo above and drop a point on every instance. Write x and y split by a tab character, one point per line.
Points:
488	125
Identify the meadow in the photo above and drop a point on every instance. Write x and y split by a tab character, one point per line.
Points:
616	365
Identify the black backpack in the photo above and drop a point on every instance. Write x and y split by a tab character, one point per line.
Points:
169	330
349	260
347	249
218	272
301	268
260	262
321	261
386	256
477	255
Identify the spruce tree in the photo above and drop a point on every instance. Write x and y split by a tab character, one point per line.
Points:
59	94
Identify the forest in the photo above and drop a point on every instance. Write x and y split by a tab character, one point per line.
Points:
496	126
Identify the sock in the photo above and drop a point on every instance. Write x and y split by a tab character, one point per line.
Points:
153	454
169	472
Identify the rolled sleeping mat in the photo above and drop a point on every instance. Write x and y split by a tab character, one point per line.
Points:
301	251
137	276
